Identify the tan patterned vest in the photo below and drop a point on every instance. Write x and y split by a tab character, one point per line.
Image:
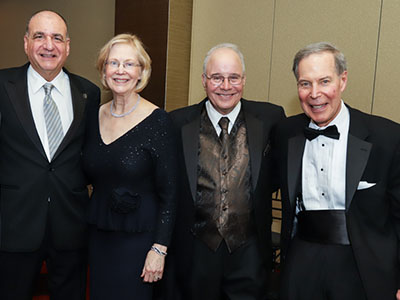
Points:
223	199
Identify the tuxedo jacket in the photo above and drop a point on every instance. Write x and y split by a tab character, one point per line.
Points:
372	214
259	118
36	194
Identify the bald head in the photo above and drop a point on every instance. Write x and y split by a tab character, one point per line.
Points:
223	78
48	12
230	46
46	43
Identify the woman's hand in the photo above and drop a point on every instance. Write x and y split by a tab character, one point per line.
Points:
153	268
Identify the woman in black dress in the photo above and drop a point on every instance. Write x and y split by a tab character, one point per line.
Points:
129	157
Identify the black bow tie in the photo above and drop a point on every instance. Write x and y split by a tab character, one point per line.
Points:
330	131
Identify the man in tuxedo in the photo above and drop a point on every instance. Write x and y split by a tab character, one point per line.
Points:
221	245
340	182
43	189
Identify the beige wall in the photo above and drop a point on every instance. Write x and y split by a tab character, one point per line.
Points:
387	87
352	26
91	24
249	26
270	32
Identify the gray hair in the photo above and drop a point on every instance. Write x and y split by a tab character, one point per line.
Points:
340	60
224	45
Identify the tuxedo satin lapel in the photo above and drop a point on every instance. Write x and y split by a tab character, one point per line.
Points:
18	94
256	137
358	151
295	157
190	141
357	158
78	104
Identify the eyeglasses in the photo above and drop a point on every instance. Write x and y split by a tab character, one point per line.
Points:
128	65
217	80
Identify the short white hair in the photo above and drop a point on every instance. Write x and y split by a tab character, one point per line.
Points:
227	46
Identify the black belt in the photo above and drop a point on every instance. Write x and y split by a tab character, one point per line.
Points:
323	226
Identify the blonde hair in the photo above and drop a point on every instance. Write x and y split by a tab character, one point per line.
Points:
143	58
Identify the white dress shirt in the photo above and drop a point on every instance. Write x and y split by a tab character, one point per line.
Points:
324	167
215	116
61	94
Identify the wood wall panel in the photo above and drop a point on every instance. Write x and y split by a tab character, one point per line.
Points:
149	20
178	58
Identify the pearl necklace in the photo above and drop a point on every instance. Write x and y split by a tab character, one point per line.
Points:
125	113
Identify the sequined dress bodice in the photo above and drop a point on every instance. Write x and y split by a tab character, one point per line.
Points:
133	177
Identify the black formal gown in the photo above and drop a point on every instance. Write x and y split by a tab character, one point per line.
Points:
132	205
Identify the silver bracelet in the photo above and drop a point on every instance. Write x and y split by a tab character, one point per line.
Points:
158	251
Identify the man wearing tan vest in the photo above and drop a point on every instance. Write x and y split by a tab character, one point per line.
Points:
221	245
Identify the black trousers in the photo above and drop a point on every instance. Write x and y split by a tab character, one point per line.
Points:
67	271
314	271
239	275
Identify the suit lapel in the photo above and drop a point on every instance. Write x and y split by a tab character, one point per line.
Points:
255	136
358	151
18	94
190	143
295	157
296	146
78	104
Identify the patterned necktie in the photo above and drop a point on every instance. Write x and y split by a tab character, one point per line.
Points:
52	119
223	123
224	135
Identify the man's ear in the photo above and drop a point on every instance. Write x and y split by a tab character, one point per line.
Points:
343	81
204	80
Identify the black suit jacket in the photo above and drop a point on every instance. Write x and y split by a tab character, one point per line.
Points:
372	214
28	180
260	118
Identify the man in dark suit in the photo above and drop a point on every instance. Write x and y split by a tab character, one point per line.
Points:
221	243
43	189
340	180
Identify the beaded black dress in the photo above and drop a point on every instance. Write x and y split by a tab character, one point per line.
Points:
132	205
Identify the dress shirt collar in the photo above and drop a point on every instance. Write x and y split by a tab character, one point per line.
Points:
324	166
341	120
215	116
37	81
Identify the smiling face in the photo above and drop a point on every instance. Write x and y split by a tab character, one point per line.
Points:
46	44
122	80
320	87
224	97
